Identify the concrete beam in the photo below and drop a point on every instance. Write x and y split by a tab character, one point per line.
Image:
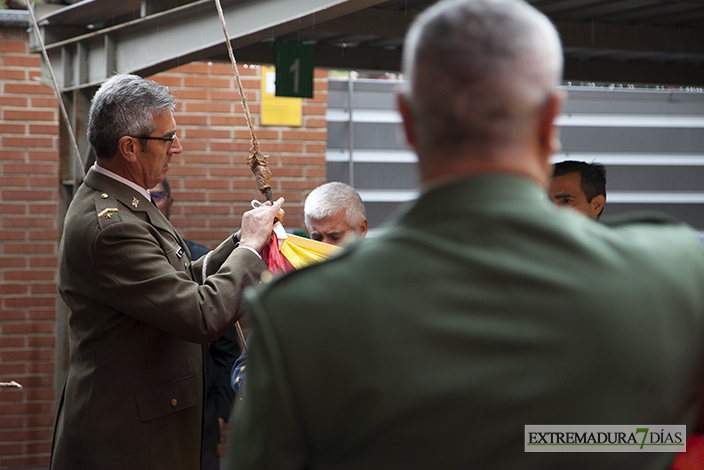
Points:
160	41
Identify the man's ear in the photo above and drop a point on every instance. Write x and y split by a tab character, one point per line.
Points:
597	204
363	229
126	147
407	114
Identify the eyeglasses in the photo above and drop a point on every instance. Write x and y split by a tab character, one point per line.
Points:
158	195
169	139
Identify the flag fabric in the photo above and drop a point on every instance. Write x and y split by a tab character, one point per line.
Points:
294	252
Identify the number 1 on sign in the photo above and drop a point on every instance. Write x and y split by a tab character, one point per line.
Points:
295	69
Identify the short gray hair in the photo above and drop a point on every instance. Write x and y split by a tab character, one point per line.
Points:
125	105
331	198
476	66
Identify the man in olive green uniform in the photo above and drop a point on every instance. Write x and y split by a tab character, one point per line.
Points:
139	309
483	308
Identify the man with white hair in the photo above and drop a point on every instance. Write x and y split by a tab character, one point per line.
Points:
483	308
335	214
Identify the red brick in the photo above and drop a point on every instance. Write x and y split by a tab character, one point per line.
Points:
206	82
192	67
316	172
45	102
12	235
41	368
12	128
303	160
184	94
25	435
231	171
17	101
167	80
35	448
310	109
40	421
13	315
26	328
8	289
25	461
43	235
14	449
43	261
25	142
44	129
14	422
34	301
207	133
16	181
316	148
212	158
28	88
43	314
27	195
209	209
13	262
28	222
305	135
33	169
27	355
32	275
37	381
22	61
231	120
316	122
262	134
12	342
300	184
14	370
191	120
39	341
12	74
11	208
11	155
42	208
43	155
208	107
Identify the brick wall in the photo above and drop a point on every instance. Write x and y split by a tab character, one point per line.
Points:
28	248
210	182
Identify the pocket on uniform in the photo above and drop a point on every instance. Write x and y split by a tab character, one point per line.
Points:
162	400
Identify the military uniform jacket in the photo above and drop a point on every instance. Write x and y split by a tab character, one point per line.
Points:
133	396
482	309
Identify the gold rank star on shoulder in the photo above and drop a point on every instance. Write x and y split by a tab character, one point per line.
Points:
135	202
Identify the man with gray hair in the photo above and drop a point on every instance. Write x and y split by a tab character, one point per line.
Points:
482	308
140	307
335	214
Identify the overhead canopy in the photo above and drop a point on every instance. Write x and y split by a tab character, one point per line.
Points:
617	41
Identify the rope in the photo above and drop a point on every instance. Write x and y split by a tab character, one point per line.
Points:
247	115
57	91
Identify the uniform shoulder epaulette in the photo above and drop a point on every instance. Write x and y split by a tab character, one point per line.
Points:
106	209
641	217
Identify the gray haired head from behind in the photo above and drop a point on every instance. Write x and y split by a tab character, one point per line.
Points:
476	69
125	105
331	198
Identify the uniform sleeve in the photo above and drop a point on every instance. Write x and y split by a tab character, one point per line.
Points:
138	277
266	432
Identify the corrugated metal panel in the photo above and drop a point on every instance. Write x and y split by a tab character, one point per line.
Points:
651	141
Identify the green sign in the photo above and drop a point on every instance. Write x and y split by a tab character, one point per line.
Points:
294	69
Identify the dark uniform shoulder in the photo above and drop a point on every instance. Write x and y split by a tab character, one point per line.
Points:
106	209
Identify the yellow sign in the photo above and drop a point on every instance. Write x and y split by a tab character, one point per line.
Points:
276	110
